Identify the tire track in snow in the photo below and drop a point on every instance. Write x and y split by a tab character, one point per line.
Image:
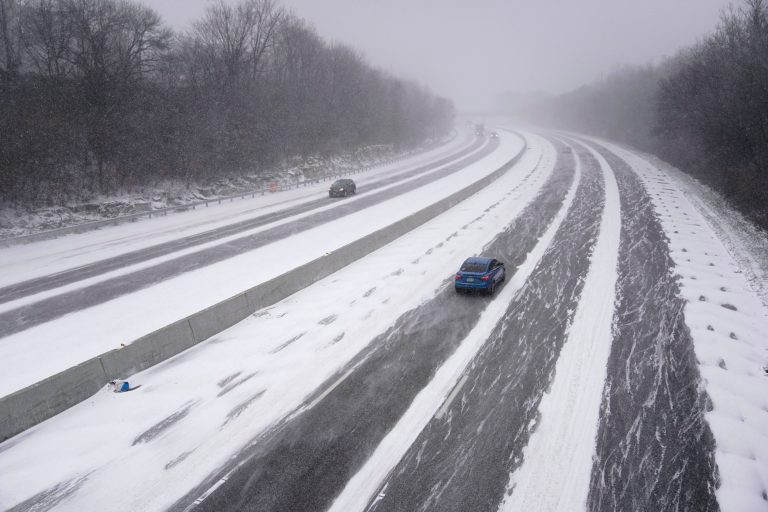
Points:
461	461
306	463
558	458
654	449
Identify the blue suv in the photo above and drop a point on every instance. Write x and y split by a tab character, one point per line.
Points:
479	274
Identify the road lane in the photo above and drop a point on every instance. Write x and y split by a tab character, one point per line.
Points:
654	448
462	460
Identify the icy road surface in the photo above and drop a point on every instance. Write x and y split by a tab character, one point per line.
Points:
618	368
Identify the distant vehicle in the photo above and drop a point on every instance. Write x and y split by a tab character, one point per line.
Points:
567	149
479	273
342	188
480	130
494	135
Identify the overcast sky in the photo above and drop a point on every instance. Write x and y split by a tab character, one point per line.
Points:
472	50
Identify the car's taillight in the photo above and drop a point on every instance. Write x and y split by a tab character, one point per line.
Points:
485	278
457	277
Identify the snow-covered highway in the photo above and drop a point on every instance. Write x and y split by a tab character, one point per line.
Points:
52	330
618	368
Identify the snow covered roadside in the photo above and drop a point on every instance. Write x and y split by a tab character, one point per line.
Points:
36	259
746	243
195	411
362	487
51	347
729	327
19	222
558	457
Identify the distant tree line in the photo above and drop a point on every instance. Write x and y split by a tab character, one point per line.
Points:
704	110
97	95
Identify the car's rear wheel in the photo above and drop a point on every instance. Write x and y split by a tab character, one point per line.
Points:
492	288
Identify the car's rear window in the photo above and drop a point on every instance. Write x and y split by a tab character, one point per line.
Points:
474	267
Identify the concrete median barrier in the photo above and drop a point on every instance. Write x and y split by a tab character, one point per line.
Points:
148	350
221	316
34	404
38	402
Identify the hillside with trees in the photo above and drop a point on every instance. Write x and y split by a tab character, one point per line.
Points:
99	95
704	110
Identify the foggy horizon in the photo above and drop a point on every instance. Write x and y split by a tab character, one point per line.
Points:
472	54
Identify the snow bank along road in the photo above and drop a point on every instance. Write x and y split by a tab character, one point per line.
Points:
618	368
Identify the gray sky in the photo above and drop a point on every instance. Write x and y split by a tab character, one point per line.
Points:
472	50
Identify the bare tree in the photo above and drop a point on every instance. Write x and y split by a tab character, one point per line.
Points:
104	95
9	39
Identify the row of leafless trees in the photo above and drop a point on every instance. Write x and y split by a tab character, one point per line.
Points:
96	95
705	110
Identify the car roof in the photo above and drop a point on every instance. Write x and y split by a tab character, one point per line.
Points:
478	259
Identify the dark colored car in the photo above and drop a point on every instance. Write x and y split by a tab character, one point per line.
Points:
342	188
479	273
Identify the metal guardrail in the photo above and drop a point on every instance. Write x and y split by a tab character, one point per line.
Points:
268	188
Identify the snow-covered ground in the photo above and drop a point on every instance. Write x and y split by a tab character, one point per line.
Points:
46	349
746	243
18	222
198	409
196	414
729	326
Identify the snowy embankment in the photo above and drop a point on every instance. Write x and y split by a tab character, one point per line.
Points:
558	457
197	410
746	243
19	222
729	327
46	349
